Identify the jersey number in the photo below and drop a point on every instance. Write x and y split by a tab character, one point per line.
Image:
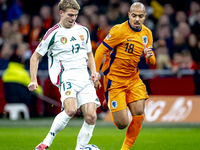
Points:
129	48
68	85
77	48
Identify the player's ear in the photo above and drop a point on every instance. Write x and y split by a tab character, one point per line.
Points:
61	13
145	15
129	15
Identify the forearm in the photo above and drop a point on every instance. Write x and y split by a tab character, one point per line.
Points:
34	61
98	57
91	62
152	60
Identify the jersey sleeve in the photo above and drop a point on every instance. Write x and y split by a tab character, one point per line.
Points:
110	41
43	47
113	38
150	40
88	42
98	57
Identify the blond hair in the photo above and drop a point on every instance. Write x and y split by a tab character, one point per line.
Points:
68	4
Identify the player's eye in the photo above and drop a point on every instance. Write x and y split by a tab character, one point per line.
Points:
71	15
134	16
141	16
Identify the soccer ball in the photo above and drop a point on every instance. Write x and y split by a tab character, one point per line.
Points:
91	147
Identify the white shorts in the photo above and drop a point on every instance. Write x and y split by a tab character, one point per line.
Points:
83	91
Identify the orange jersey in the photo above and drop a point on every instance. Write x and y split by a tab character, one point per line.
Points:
125	46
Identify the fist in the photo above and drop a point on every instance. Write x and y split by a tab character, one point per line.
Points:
32	86
97	84
148	51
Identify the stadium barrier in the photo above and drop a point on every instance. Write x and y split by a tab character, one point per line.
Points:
170	109
158	82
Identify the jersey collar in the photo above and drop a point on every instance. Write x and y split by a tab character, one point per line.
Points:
67	28
133	28
59	25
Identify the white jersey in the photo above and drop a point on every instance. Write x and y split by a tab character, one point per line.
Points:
67	51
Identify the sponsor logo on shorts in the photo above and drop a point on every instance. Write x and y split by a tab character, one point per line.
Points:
67	93
63	40
114	104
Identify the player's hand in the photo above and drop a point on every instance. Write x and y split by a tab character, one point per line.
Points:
148	51
33	86
95	76
97	84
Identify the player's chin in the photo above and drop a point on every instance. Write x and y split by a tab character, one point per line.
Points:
137	27
70	24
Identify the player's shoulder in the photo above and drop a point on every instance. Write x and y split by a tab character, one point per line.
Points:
79	26
146	29
119	27
52	30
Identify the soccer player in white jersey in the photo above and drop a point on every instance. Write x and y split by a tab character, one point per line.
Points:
69	54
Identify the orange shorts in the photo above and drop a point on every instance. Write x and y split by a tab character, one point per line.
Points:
118	95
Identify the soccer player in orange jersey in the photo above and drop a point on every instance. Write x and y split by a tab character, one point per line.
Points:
126	42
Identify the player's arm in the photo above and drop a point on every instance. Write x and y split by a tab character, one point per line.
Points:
98	61
91	64
99	56
34	61
149	56
40	51
110	41
148	51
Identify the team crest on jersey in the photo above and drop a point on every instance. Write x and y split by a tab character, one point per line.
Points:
145	39
114	104
81	37
63	40
67	93
108	36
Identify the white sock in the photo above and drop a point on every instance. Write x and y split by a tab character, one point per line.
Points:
58	124
84	135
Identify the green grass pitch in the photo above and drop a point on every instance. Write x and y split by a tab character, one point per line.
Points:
25	135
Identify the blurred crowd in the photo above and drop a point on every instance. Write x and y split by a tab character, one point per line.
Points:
176	29
23	23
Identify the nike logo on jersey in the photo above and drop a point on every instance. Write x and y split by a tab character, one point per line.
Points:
73	39
129	39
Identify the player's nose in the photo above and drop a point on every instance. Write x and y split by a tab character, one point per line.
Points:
137	18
